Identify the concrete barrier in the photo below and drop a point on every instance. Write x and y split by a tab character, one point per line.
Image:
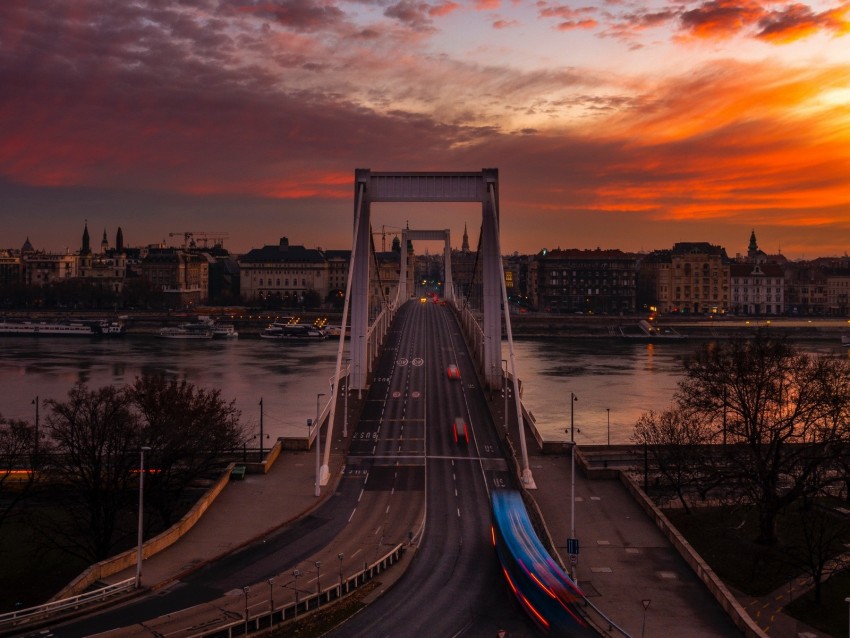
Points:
106	568
720	592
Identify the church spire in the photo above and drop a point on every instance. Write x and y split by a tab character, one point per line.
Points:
86	249
753	248
465	245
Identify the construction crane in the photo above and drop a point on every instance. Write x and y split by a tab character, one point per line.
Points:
383	235
189	237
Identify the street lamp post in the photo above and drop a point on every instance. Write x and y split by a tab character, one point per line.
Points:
645	602
573	399
261	429
144	449
245	590
295	575
318	444
340	556
35	449
505	384
608	412
271	602
318	564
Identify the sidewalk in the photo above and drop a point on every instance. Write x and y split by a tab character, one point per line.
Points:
624	559
245	511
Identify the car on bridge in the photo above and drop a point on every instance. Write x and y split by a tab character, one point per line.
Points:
453	372
460	431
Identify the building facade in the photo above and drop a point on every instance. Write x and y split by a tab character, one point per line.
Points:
283	273
587	281
757	289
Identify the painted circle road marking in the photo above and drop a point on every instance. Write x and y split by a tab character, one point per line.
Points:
402	362
396	395
418	361
414	395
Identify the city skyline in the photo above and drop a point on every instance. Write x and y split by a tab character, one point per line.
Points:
630	125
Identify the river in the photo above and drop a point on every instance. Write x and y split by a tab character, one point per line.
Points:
612	379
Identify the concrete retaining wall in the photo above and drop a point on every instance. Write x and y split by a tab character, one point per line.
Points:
126	559
723	596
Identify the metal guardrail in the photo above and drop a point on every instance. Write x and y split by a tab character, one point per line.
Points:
272	618
13	618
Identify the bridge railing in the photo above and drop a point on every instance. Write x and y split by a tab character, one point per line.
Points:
64	606
271	618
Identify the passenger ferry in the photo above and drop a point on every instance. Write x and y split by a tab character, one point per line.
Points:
61	328
292	332
187	331
225	330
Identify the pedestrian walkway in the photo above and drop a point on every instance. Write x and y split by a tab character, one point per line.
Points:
627	567
245	511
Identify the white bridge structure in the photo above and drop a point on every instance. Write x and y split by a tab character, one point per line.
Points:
484	336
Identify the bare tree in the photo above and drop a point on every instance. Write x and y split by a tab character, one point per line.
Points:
678	444
17	462
781	415
825	536
95	435
189	430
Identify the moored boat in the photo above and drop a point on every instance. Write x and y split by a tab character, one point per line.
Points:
187	331
292	332
62	328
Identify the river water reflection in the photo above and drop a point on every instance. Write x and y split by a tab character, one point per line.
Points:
625	378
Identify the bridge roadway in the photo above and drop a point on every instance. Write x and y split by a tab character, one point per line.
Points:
404	474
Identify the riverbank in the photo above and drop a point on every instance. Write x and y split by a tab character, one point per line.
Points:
530	325
608	327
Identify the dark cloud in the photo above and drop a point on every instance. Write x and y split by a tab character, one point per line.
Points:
721	18
298	15
414	15
797	21
726	18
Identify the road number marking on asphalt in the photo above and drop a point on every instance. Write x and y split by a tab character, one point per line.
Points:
418	361
415	395
402	362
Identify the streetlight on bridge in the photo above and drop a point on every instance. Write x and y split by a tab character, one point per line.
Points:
143	449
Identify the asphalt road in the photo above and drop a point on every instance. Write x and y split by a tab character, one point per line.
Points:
405	479
453	586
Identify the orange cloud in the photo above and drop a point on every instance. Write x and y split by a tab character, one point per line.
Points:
568	17
798	21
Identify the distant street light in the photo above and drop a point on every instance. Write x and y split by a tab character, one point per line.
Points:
318	444
645	602
295	575
261	429
271	602
35	449
144	449
573	399
340	556
245	590
505	384
318	582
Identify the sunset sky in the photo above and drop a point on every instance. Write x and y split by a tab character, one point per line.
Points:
617	124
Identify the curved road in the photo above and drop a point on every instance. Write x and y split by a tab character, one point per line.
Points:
405	478
453	586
